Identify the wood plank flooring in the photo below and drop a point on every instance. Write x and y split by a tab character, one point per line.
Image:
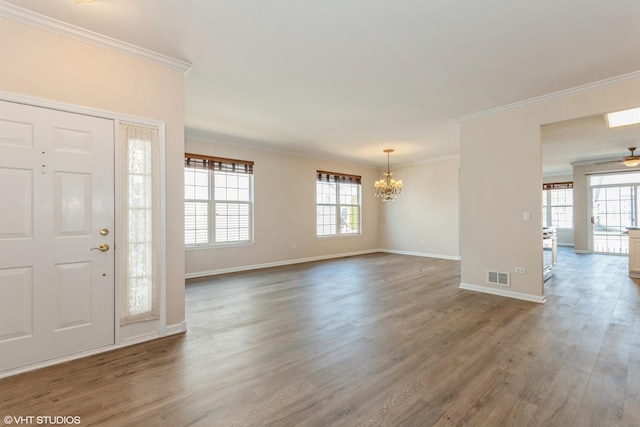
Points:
372	340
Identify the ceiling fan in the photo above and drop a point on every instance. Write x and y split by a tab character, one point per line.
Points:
631	160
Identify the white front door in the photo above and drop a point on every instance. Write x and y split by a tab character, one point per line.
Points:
56	204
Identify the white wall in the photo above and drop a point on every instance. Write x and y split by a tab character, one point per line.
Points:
42	64
501	177
285	210
285	220
423	220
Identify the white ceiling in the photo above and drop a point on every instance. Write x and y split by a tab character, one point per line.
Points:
584	140
348	78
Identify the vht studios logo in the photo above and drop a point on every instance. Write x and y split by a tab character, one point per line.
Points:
42	419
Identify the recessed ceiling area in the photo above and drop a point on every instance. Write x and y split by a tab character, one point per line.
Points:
586	139
346	79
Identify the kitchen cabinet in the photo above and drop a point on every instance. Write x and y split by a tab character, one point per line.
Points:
634	252
549	251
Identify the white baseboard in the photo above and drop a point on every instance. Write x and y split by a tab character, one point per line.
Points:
138	339
581	251
503	293
176	328
275	264
422	254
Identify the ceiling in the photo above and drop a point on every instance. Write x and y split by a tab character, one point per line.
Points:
347	78
584	140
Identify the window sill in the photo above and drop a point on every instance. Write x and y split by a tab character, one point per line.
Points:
339	236
218	246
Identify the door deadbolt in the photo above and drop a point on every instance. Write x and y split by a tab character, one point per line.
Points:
104	231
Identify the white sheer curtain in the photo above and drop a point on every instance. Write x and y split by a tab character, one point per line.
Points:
140	221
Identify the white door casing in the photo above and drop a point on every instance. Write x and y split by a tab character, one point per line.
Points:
56	195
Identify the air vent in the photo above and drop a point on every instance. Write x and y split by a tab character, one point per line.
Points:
498	278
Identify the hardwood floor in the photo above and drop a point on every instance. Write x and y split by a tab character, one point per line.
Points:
372	340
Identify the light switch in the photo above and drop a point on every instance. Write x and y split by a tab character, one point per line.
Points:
526	216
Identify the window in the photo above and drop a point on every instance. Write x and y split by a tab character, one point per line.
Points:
337	204
557	205
614	207
218	205
140	223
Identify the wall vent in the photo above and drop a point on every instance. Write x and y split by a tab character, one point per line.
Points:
498	278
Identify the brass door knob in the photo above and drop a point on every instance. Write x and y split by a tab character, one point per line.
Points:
102	248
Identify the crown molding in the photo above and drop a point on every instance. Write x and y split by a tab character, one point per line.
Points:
588	162
551	96
46	23
197	134
202	135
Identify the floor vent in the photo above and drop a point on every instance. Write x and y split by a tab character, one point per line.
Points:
498	278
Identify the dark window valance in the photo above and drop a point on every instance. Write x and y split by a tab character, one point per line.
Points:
199	161
338	177
557	186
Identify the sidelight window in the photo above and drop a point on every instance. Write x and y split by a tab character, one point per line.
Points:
141	223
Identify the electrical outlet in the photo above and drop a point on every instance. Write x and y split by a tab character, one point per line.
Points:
521	270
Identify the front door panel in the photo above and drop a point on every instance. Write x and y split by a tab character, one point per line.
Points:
56	193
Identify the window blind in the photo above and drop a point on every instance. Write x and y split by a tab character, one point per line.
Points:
557	186
338	177
199	161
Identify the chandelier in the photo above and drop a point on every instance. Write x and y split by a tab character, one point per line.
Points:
388	188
